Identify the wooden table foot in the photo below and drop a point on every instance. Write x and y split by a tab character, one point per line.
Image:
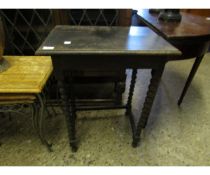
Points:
135	142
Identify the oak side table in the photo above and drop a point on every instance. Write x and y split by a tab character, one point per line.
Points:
22	84
75	48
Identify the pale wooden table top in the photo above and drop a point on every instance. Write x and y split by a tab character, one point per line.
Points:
26	74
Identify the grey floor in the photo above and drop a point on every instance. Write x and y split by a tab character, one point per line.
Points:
174	135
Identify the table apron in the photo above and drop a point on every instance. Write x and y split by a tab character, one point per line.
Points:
190	47
107	63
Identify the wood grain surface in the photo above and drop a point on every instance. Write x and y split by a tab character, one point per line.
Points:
26	74
18	96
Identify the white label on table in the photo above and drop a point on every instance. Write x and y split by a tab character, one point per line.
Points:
208	18
48	47
67	42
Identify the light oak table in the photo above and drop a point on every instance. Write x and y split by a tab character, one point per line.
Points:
22	83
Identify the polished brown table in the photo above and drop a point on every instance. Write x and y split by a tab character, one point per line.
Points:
191	36
75	48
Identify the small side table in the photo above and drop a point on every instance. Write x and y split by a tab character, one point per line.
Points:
99	48
22	84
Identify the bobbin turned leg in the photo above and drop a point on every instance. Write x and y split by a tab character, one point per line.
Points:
152	90
70	114
129	102
131	90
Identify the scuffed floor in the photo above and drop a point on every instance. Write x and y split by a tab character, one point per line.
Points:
174	135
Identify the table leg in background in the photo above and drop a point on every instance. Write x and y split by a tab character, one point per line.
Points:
131	90
190	77
129	102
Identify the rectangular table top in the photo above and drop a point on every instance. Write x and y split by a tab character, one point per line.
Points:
26	74
98	40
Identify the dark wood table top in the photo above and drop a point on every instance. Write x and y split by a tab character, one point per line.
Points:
98	40
190	25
